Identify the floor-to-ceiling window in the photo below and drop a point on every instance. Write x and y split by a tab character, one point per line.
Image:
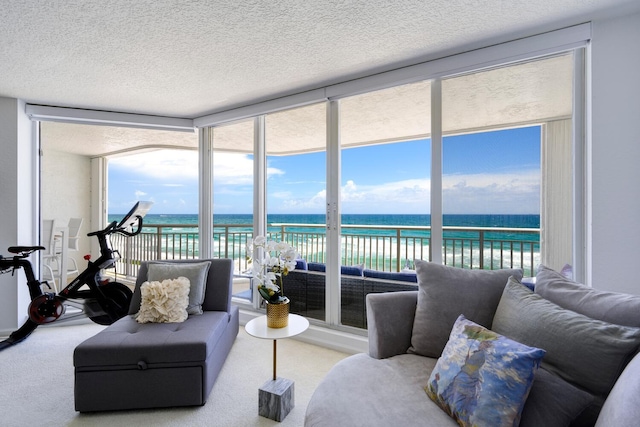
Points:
384	192
503	166
296	197
503	159
233	190
95	174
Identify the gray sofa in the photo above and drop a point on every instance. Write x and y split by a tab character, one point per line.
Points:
387	386
131	365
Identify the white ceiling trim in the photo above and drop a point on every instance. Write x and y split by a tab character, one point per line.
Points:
107	118
548	43
278	104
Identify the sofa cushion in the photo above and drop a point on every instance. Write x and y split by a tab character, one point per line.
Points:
612	307
553	402
126	342
301	264
401	276
345	270
587	352
351	270
195	272
394	394
446	292
316	266
164	302
483	378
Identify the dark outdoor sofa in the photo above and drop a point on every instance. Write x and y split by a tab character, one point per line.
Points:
131	365
305	287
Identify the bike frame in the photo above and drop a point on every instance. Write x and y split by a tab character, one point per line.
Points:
104	301
73	296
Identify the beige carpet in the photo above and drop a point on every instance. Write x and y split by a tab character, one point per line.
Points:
36	383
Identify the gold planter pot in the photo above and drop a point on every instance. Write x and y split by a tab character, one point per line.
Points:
278	314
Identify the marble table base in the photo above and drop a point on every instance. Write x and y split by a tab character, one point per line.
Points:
276	399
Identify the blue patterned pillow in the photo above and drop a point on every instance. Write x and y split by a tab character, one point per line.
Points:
483	378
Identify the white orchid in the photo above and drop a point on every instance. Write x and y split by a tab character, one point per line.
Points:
277	260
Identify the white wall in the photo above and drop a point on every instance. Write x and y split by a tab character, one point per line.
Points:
615	196
18	208
66	193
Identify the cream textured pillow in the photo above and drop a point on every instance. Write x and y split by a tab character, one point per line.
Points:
164	302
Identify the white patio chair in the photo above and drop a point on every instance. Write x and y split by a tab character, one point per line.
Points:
50	261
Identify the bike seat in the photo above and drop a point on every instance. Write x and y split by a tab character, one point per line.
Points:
22	249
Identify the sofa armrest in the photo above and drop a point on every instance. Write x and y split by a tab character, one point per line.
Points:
390	322
622	407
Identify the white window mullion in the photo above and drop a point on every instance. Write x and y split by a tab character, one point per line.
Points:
436	171
259	188
332	296
581	183
205	217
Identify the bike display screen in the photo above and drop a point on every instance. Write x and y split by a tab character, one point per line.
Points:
140	209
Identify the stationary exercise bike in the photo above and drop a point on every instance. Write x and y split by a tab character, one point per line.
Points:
100	300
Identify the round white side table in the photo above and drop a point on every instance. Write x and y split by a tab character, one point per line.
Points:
276	396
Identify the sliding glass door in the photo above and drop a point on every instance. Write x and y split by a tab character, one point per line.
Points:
384	192
461	170
295	189
233	189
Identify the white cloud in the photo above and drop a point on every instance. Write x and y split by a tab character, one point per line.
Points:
492	193
161	164
474	193
139	193
404	196
236	169
168	165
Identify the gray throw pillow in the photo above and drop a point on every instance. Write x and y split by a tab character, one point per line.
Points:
553	402
444	293
586	352
612	307
195	272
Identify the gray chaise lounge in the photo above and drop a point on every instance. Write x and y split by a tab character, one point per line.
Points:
130	365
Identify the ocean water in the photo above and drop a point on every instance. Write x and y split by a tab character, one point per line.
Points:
483	220
386	225
377	247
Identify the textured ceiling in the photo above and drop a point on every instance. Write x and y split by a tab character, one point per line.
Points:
519	94
188	58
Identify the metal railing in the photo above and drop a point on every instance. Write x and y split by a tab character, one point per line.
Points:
385	248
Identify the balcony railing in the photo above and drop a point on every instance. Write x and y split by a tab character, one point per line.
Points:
384	248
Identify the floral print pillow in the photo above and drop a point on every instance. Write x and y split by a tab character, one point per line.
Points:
483	378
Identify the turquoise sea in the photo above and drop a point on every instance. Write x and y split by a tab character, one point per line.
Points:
237	221
481	220
389	243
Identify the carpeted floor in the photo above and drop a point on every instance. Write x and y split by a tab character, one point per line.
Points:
36	383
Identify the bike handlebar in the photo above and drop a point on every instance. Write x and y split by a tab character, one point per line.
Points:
132	219
113	228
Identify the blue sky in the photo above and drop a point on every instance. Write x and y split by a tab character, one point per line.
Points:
496	172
